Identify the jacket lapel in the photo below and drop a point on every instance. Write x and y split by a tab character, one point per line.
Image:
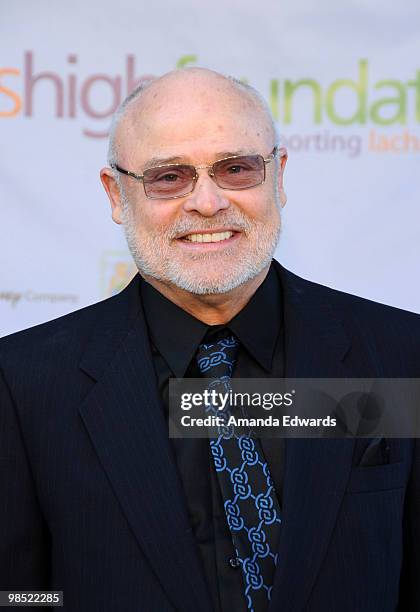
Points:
316	470
125	420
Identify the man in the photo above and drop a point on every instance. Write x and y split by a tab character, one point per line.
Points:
97	501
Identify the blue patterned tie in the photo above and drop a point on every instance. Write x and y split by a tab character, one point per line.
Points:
250	501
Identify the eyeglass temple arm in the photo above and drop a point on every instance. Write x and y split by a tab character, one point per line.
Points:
272	155
118	168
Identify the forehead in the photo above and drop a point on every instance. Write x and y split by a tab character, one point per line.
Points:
193	119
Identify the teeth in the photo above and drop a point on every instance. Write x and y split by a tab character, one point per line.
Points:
209	237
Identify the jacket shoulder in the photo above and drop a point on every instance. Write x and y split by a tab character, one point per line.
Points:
390	332
348	301
70	332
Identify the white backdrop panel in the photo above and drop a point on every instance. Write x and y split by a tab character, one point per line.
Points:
343	82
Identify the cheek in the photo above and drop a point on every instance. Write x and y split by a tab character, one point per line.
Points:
260	208
153	216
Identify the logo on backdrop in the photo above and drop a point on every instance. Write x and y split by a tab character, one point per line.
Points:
385	107
31	297
95	97
116	271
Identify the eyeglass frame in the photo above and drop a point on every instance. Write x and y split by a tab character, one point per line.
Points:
140	177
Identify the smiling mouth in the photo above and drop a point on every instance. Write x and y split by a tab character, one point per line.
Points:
209	237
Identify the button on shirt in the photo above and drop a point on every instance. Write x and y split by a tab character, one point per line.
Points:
175	336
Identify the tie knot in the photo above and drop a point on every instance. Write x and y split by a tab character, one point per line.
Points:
216	359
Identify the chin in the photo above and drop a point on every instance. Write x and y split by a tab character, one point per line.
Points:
211	285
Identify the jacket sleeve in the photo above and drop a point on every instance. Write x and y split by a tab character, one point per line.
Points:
24	539
410	575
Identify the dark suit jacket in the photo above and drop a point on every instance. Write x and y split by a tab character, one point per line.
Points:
90	499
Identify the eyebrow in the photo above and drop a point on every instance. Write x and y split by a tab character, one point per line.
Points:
178	159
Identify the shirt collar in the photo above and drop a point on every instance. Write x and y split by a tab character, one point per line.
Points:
177	334
258	324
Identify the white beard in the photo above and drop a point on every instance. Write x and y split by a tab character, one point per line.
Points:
155	257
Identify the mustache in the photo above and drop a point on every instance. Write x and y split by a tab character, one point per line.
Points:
236	222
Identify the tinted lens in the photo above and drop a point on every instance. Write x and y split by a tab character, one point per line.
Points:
168	181
240	172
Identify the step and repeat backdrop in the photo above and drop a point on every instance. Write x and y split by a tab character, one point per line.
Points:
343	83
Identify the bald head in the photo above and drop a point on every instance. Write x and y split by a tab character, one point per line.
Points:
187	91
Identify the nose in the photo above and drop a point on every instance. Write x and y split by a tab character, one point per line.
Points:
207	198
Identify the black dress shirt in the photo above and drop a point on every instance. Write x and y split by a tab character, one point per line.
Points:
175	336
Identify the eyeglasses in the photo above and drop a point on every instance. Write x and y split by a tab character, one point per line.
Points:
170	181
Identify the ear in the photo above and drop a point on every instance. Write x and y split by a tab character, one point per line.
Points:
282	165
113	193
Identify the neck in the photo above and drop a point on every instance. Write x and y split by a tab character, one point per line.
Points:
214	309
